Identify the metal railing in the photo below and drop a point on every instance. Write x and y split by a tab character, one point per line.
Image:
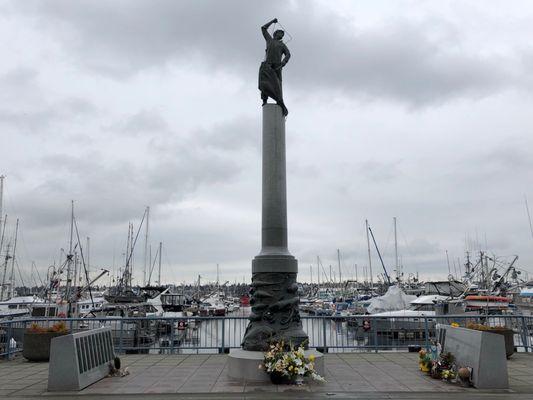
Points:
184	335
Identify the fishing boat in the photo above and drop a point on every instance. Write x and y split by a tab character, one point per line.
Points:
18	306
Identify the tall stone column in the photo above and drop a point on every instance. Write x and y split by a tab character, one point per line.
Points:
274	299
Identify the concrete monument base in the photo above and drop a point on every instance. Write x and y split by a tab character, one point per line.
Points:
484	352
243	365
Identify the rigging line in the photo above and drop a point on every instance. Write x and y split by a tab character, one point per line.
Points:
37	271
153	265
83	262
388	241
20	273
3	232
284	30
379	254
135	241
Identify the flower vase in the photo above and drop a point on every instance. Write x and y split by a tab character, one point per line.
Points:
299	380
277	378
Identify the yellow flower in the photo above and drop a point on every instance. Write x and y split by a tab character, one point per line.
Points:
455	324
311	357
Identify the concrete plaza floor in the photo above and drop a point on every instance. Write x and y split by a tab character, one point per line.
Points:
348	375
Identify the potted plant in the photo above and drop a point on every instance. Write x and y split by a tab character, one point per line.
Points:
37	340
289	367
507	333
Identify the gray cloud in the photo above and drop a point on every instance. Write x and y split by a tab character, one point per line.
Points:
144	122
414	114
417	63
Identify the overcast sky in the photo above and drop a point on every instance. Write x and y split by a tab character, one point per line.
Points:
411	109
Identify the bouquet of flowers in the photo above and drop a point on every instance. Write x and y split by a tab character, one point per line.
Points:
443	367
424	361
289	366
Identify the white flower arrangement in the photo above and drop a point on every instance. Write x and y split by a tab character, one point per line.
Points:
292	364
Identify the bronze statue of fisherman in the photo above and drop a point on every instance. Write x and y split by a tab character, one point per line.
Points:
270	70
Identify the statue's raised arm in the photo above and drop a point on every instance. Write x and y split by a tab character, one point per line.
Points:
264	29
270	71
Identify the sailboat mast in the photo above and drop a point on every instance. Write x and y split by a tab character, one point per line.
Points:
6	260
318	270
159	269
3	233
69	255
1	209
396	251
339	262
146	244
369	257
12	277
527	209
88	253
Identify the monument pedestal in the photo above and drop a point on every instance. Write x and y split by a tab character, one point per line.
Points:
275	316
243	365
274	294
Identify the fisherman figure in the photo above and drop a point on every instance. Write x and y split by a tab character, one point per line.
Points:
270	70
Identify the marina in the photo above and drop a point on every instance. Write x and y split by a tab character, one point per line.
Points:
144	200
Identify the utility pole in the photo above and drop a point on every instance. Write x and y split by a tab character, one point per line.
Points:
369	258
146	244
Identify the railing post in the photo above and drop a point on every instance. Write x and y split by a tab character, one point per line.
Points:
324	336
172	333
120	337
9	334
374	328
525	334
426	329
223	333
